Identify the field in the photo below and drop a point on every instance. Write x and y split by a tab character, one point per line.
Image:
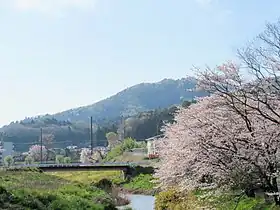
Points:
35	190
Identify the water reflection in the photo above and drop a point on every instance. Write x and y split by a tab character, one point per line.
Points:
140	202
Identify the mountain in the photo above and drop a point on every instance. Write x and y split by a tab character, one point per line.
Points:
71	126
138	98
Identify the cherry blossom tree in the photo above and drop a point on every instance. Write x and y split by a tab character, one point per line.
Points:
85	156
35	152
211	138
254	78
48	139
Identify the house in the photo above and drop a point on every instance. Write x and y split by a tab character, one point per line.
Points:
151	145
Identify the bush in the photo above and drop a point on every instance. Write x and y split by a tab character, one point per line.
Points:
67	160
129	144
167	200
142	182
28	160
59	159
9	160
119	149
104	184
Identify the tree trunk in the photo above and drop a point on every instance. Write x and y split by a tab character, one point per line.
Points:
250	193
276	190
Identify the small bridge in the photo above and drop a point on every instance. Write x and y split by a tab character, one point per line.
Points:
127	168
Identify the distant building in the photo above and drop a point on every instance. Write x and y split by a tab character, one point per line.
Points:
72	147
7	148
100	148
151	146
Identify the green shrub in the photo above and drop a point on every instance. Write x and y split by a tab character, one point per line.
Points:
119	149
167	199
129	144
113	153
28	160
104	184
141	182
67	160
8	160
59	159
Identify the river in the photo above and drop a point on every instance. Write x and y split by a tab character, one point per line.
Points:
140	202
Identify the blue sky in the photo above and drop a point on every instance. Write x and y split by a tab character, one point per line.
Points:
60	54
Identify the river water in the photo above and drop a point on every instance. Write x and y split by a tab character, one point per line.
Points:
140	202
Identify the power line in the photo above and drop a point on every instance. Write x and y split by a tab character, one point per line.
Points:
55	142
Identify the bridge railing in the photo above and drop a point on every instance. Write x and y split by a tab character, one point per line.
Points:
45	165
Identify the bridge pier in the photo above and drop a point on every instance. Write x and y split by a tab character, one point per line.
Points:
128	173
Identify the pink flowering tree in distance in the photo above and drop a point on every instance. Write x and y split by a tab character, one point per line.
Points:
85	156
232	136
35	152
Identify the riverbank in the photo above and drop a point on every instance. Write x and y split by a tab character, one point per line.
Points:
210	199
136	190
141	184
36	190
69	190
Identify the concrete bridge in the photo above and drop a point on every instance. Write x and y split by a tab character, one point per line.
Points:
128	169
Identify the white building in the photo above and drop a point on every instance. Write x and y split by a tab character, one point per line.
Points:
151	145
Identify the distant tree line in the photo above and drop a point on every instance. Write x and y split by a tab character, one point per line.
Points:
64	133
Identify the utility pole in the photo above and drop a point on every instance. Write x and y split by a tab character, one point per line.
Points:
41	149
121	129
157	129
91	136
95	136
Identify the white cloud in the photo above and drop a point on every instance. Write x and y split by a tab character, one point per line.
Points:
50	6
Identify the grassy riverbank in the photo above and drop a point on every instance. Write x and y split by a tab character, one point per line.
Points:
210	199
35	190
66	190
141	184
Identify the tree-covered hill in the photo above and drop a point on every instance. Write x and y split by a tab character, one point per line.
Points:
138	98
144	107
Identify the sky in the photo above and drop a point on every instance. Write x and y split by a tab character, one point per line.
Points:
60	54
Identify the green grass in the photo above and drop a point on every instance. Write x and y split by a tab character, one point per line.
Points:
229	200
142	182
35	190
210	199
88	177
